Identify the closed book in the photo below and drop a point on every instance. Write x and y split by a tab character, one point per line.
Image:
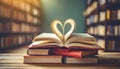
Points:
87	60
75	53
43	59
38	51
102	16
50	50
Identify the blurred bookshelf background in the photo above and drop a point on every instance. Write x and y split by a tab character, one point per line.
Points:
103	22
19	22
22	20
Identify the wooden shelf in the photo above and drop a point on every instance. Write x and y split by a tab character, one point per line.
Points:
98	36
95	24
112	38
108	22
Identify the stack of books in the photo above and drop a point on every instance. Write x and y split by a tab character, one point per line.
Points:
59	48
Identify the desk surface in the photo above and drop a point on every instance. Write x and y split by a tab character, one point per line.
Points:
14	59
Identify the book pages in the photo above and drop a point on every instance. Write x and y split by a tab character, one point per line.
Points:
63	37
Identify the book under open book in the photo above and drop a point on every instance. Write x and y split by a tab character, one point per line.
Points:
43	59
58	51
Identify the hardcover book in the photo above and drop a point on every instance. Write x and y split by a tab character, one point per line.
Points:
71	60
43	59
68	40
63	52
75	53
38	51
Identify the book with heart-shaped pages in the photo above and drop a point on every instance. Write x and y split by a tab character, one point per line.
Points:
68	40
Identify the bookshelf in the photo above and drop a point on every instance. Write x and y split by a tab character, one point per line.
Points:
19	22
103	22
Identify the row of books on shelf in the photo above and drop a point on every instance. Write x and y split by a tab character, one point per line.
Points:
32	19
23	5
95	5
104	16
18	27
15	3
96	30
111	45
12	40
113	14
111	30
103	2
5	11
92	19
18	15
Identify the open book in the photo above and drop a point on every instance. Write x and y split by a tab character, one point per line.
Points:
70	39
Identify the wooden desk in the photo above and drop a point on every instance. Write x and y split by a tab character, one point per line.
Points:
14	59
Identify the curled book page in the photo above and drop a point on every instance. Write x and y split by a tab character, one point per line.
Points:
63	37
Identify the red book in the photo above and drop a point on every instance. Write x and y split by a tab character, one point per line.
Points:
40	50
75	53
55	50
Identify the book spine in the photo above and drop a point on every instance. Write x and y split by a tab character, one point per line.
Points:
76	54
36	54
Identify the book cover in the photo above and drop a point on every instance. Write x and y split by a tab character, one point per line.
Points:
74	53
71	60
43	59
38	51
